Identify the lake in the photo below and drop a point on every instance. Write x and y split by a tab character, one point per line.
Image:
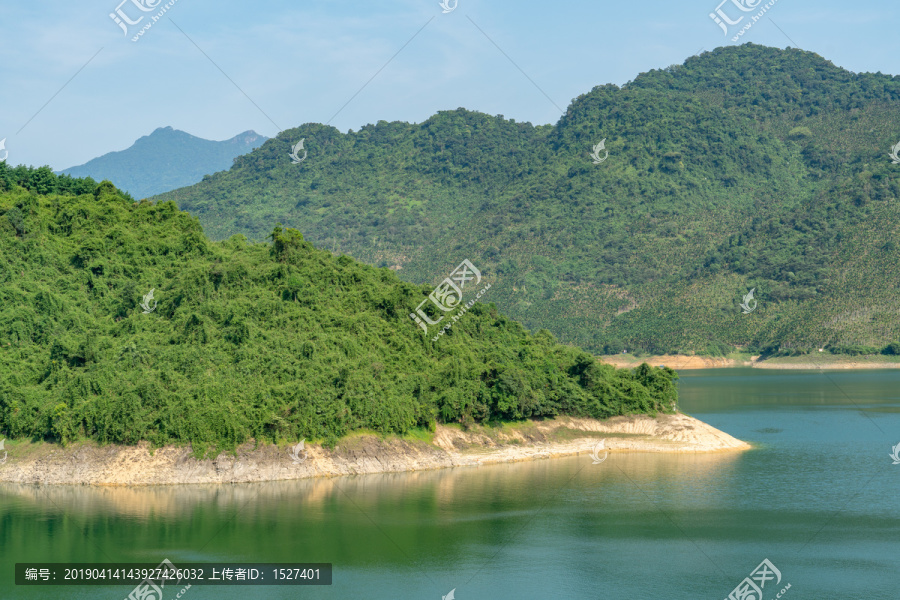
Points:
818	497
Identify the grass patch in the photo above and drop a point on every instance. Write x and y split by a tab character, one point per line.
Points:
419	434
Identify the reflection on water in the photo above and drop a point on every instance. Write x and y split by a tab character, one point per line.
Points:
818	497
435	488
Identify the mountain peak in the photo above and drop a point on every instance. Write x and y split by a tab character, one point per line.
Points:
248	136
166	159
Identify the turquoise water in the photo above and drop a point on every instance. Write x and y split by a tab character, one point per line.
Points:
818	497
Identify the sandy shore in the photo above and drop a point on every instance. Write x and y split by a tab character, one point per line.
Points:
681	362
451	447
842	365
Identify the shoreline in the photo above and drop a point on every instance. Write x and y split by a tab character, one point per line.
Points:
800	363
87	463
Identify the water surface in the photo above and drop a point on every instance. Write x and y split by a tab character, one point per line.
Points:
818	497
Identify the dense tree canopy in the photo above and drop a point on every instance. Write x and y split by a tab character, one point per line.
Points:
269	341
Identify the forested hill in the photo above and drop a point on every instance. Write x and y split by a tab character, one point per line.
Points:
746	167
120	321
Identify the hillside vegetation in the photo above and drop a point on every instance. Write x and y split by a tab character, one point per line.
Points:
271	341
744	168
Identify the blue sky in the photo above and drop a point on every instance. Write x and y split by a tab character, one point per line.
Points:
285	63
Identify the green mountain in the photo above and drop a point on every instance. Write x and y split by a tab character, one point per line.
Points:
120	321
746	168
166	159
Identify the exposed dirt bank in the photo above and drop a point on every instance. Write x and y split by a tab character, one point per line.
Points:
681	362
676	361
451	447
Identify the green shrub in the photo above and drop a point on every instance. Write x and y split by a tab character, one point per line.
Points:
892	349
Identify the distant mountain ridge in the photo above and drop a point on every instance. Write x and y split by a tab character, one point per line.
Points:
165	160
